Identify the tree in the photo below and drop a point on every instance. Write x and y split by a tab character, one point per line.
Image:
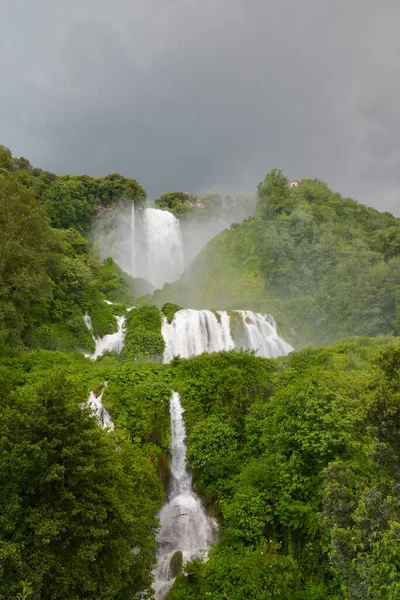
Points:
24	246
388	241
78	518
273	194
67	205
176	202
21	164
6	161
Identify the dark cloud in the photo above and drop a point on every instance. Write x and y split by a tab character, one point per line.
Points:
197	95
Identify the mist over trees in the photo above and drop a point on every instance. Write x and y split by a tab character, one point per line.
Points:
325	266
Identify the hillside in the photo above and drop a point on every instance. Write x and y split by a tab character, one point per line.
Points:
325	266
295	454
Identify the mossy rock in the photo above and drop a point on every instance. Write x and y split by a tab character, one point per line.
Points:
103	320
175	566
169	309
163	470
237	327
216	314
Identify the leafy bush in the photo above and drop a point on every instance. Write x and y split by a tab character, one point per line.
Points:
143	340
169	311
103	319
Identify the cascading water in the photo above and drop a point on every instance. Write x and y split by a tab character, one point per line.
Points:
185	526
157	247
113	342
149	243
193	332
261	335
95	402
146	243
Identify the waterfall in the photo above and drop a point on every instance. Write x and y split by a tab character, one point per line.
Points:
261	335
185	526
157	247
145	243
133	240
193	332
95	402
112	342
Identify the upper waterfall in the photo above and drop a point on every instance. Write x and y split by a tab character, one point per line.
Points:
157	246
144	242
193	332
151	243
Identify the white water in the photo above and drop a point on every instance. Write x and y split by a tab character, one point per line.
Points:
88	323
103	415
184	523
193	332
133	241
112	342
261	335
157	247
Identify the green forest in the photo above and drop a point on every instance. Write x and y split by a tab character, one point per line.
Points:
297	458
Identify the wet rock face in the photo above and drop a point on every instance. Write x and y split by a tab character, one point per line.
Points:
175	566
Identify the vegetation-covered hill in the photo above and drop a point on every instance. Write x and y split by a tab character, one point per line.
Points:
49	273
325	266
298	457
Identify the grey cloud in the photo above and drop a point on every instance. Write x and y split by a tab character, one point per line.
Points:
183	94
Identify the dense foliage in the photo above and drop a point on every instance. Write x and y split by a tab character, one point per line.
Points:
194	208
298	458
117	286
71	200
143	339
325	266
178	203
169	311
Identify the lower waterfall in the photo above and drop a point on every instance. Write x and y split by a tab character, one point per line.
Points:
95	402
185	526
193	332
112	342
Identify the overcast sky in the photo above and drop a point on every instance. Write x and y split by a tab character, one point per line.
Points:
202	94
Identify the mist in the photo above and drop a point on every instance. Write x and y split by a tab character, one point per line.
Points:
198	229
154	245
